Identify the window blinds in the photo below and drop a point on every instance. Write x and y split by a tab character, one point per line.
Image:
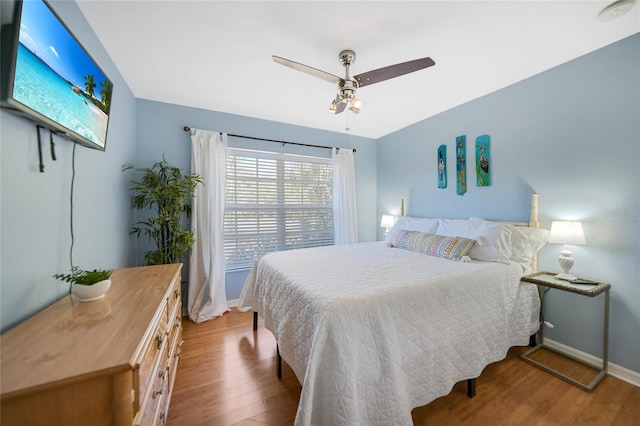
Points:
275	202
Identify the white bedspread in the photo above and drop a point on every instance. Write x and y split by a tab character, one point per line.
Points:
372	332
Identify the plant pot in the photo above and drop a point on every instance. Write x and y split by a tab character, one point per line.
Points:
88	293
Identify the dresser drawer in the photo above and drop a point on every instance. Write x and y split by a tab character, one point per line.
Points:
174	299
154	412
174	354
153	359
174	319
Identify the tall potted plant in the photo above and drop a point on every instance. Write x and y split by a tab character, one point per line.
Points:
167	192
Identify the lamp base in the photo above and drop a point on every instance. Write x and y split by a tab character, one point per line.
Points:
566	277
566	261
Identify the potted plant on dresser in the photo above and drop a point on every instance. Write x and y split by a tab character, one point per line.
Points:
167	192
87	285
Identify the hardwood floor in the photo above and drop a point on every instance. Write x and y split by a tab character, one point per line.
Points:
227	376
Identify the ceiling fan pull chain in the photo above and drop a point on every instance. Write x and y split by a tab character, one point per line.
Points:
346	127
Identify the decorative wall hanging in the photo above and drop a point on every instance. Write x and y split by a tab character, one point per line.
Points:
461	165
442	166
483	160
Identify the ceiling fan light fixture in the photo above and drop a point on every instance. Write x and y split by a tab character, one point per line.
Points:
355	105
338	105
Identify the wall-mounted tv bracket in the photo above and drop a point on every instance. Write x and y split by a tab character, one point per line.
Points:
38	128
51	144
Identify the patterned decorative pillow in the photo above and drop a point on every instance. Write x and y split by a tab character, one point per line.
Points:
453	248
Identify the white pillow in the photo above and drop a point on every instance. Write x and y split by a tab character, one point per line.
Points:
493	239
521	249
408	223
453	227
525	243
537	238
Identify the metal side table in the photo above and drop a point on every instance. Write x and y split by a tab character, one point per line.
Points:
548	279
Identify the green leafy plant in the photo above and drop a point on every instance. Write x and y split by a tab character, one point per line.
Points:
80	276
167	192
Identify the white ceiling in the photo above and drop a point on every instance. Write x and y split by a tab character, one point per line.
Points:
216	55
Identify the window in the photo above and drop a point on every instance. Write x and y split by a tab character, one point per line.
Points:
275	202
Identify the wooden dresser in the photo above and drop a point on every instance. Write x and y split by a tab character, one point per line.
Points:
107	362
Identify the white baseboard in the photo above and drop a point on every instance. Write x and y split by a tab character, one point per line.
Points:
617	371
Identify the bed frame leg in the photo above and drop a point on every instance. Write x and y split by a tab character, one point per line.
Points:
278	363
471	388
255	320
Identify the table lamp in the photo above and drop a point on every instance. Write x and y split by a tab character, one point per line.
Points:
387	222
567	233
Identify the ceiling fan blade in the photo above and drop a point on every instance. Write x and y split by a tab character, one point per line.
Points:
382	74
307	69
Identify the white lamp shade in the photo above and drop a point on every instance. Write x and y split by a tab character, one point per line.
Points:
566	232
387	221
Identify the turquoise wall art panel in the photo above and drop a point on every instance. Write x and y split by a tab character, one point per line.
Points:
461	165
442	166
483	161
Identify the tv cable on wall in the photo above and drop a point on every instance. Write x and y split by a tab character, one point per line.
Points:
51	144
73	178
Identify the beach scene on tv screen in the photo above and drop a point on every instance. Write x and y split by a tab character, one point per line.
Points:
57	78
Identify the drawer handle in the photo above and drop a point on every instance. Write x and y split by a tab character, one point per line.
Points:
176	293
159	340
156	393
163	418
177	323
179	352
161	374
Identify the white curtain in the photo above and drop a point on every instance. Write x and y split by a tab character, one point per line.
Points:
345	219
207	295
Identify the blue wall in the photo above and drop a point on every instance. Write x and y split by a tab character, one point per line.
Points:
160	131
572	134
35	219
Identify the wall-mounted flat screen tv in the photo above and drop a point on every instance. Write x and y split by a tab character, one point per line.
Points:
50	78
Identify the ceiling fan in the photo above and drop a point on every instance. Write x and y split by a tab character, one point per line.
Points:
348	85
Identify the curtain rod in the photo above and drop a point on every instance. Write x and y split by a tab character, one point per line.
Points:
188	129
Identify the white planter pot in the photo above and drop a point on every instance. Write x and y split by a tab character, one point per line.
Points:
88	293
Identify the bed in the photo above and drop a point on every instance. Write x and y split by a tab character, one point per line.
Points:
373	330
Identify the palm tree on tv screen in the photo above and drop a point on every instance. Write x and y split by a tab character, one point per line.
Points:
105	92
89	85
